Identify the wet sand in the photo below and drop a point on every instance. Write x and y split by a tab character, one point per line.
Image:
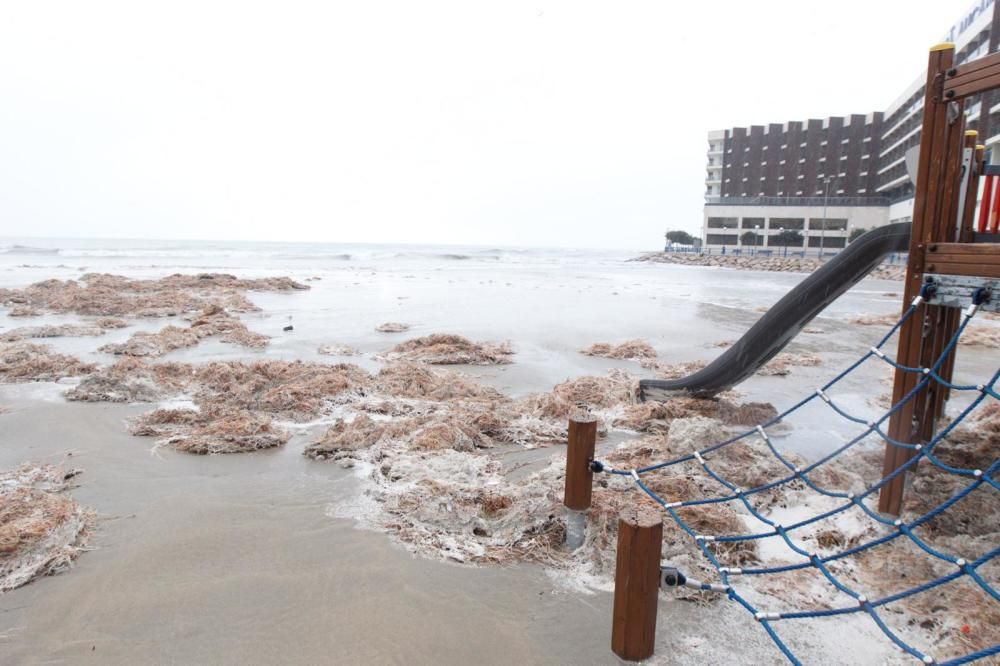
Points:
226	559
235	559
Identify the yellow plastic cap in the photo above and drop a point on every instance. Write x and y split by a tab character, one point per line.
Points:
943	46
980	146
971	133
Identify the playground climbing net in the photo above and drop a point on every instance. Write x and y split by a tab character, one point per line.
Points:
844	501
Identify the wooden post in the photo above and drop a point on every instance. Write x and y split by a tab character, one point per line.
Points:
637	583
579	453
961	232
940	142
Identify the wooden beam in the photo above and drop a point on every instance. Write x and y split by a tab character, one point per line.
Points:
941	268
931	168
962	212
975	259
637	583
974	77
579	454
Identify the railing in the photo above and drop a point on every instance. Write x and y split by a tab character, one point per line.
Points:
798	201
897	258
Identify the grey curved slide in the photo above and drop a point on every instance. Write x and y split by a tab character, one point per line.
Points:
786	317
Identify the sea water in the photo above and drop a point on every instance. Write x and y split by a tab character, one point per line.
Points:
548	302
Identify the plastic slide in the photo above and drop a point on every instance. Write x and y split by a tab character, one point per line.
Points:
786	317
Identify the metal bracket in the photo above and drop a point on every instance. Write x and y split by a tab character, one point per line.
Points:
956	291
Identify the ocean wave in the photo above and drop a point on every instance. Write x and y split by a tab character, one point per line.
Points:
27	249
448	256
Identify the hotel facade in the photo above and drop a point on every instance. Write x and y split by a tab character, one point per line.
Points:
825	178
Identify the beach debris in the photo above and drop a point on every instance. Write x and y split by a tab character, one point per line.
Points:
132	380
392	327
441	349
108	323
104	295
338	350
780	365
630	350
210	431
211	322
974	335
763	263
42	529
981	335
673	370
783	363
284	389
404	380
876	320
288	328
51	331
29	362
429	432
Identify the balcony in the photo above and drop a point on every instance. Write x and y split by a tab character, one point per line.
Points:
797	201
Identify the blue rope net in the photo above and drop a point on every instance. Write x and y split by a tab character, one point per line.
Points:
976	479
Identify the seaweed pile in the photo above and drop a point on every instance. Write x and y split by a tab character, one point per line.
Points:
211	322
104	295
55	331
30	362
630	350
443	349
392	327
42	529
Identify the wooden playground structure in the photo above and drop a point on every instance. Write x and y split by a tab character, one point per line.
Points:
943	242
953	251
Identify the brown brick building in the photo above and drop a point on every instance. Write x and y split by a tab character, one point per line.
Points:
825	177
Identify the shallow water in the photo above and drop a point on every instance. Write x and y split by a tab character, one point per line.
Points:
237	558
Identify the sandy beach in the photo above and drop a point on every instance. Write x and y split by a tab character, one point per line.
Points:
272	555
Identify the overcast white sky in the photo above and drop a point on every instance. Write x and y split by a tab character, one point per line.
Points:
523	123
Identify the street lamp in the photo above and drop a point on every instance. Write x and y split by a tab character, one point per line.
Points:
784	242
822	231
756	227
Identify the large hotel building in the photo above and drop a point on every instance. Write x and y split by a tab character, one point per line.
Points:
825	178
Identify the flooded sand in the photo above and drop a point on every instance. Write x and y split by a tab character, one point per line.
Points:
226	559
235	559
